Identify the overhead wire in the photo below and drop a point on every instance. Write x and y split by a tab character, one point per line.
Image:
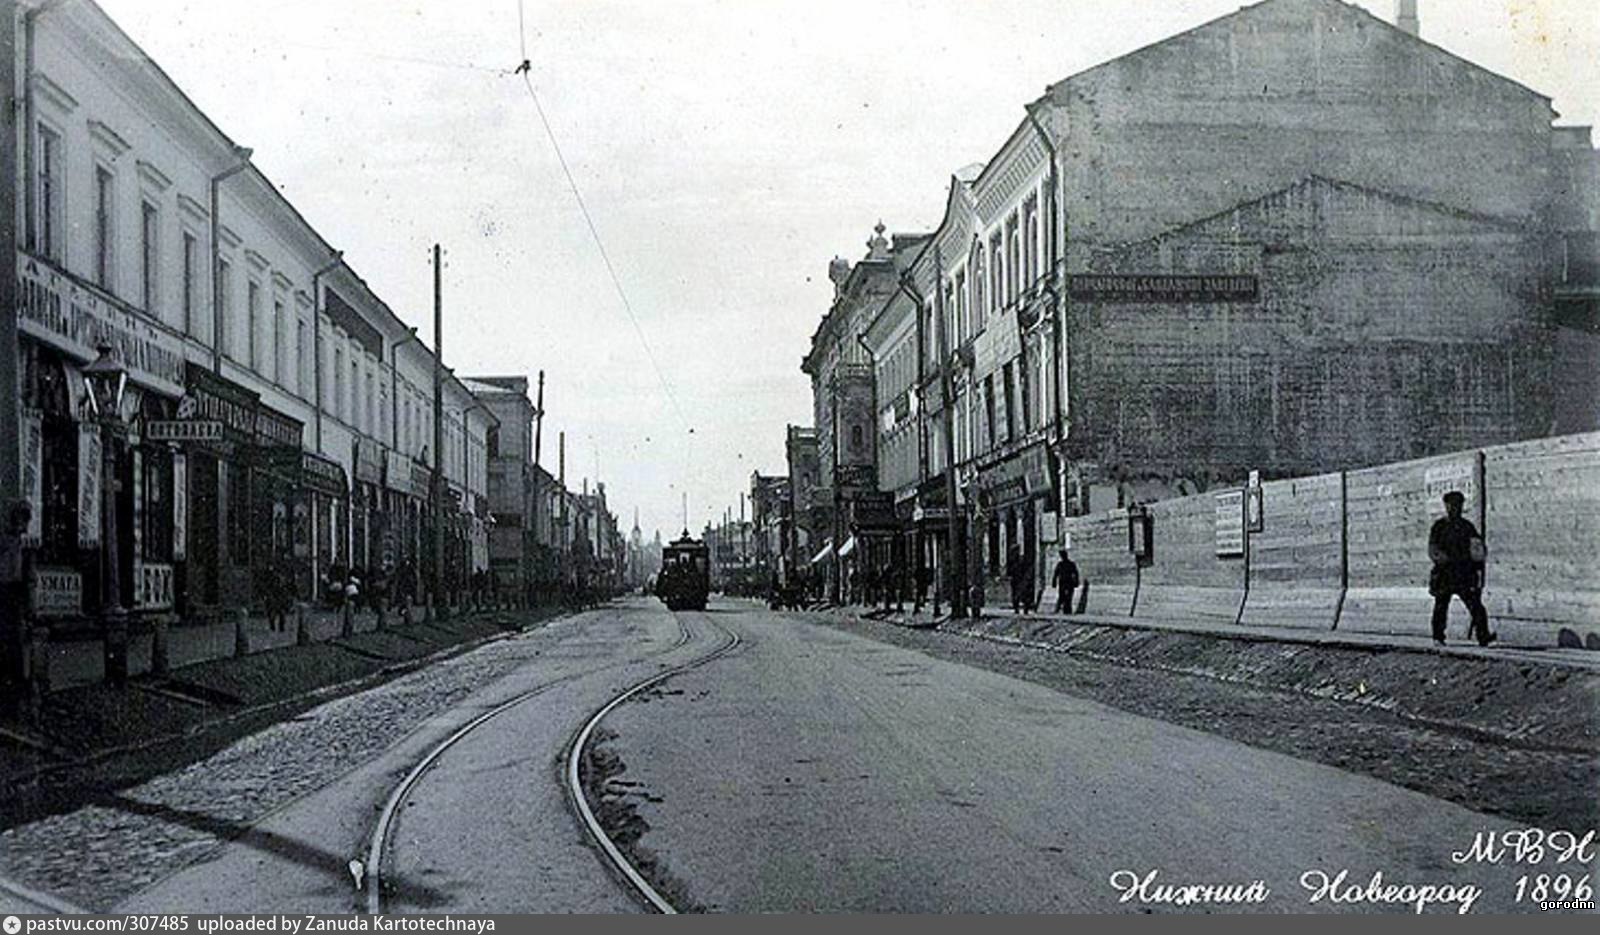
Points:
524	69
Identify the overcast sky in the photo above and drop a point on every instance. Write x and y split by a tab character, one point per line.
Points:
727	150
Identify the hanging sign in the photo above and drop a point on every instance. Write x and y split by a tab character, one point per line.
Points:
88	486
180	506
152	586
33	476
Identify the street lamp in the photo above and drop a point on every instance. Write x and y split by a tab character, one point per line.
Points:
106	381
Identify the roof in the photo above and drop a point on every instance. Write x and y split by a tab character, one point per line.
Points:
1245	12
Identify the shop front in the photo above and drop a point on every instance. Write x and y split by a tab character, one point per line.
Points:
366	507
404	526
97	487
214	432
1013	495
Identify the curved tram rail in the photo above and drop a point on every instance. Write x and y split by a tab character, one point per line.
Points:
381	832
575	786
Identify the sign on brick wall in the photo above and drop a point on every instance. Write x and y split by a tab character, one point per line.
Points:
1139	288
1230	524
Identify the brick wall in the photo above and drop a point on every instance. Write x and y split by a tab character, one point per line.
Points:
1100	548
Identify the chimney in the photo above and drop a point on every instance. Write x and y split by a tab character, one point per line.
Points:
1406	18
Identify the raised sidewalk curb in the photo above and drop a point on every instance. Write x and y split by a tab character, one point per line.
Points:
1537	699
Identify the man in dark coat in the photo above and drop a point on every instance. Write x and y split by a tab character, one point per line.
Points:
1066	582
1021	577
1458	555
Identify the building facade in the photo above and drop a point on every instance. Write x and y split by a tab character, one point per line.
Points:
276	429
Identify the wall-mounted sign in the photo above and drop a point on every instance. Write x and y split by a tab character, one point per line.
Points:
1441	479
180	507
88	486
213	398
33	474
1230	524
204	430
57	309
57	592
275	429
368	462
1117	287
152	586
323	474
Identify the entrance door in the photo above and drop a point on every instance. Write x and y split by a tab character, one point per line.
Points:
201	575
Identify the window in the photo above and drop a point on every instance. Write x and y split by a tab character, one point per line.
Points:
338	371
997	270
977	282
104	233
253	311
303	357
1030	241
353	412
372	407
191	260
961	306
149	255
225	305
988	406
1013	254
1008	375
50	195
280	356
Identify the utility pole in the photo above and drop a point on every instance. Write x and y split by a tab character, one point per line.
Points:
530	543
10	345
955	556
437	498
561	491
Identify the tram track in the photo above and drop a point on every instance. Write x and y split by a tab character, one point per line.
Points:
619	861
372	874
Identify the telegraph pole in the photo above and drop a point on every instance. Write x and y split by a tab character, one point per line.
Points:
438	433
10	346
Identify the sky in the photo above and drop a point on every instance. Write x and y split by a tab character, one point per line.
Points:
726	150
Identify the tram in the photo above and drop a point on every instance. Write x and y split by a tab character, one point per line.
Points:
685	578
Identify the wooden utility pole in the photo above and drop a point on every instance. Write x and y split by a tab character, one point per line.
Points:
10	344
438	430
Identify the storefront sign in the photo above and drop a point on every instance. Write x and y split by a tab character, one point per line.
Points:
1441	479
857	476
76	318
406	476
1230	524
1163	288
57	592
204	430
180	506
88	486
33	475
322	474
152	586
1026	475
213	398
368	462
275	429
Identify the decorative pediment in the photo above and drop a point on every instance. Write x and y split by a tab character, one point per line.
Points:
256	260
108	139
282	282
53	93
194	209
154	177
227	238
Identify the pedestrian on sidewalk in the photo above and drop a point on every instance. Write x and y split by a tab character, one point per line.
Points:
1066	582
14	599
1021	578
1458	553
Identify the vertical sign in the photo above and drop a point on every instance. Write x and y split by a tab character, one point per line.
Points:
88	486
180	506
32	476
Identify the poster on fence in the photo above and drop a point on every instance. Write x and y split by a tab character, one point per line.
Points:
33	475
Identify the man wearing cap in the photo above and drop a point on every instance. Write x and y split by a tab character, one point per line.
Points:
1458	554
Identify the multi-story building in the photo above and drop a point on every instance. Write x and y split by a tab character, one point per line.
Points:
853	510
278	412
769	517
512	500
806	496
1294	239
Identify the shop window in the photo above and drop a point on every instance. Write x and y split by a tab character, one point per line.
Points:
238	514
156	508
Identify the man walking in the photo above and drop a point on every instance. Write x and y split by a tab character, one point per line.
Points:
1066	582
1018	572
1458	555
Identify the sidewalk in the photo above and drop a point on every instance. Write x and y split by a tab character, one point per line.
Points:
1456	646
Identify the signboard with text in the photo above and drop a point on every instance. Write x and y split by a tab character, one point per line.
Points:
57	592
1119	287
152	586
1230	524
204	430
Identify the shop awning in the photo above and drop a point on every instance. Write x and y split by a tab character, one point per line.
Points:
848	547
824	555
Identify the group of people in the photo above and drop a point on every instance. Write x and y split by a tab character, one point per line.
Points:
1025	597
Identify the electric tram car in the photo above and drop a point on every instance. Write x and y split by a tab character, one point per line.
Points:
685	578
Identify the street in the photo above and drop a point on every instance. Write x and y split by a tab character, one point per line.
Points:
811	768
